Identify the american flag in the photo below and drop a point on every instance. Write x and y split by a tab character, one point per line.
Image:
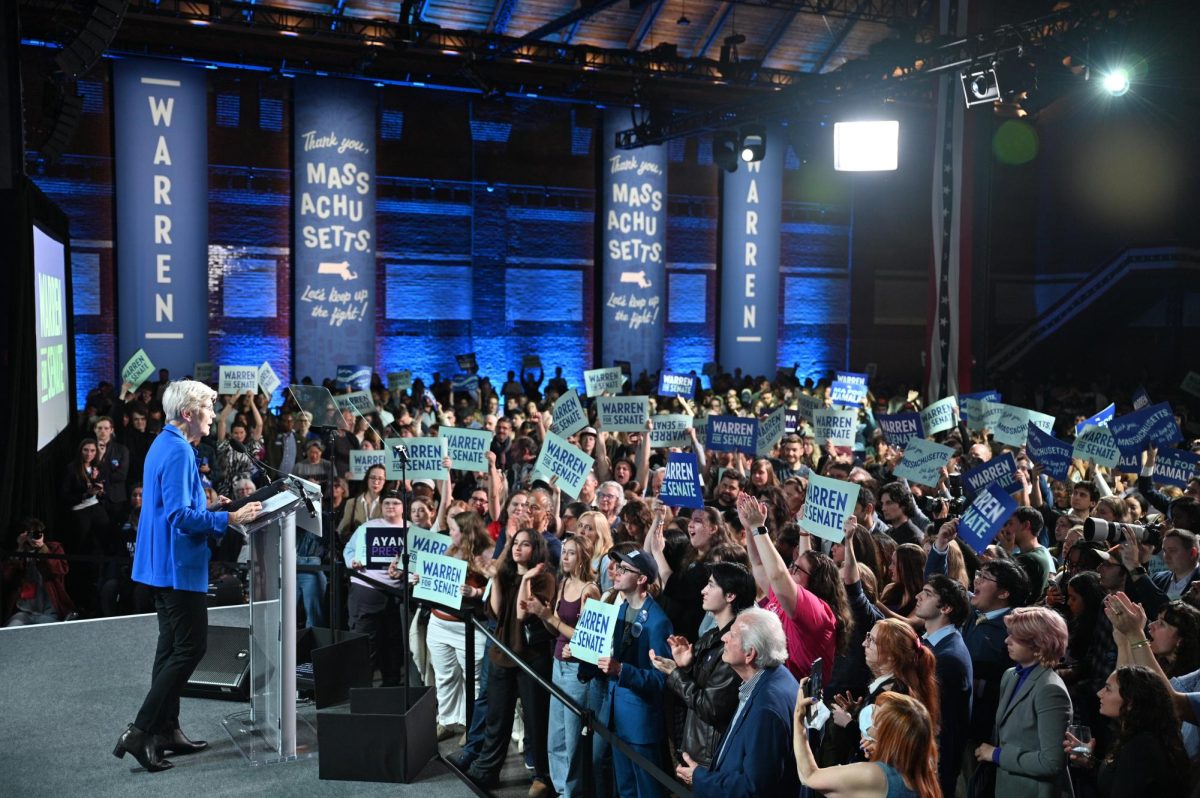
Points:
947	362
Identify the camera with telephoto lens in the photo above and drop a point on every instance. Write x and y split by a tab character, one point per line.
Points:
1113	532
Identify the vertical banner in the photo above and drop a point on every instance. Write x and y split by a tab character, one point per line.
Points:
751	208
160	126
633	236
333	207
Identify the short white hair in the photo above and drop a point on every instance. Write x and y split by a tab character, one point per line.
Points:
181	396
619	488
762	632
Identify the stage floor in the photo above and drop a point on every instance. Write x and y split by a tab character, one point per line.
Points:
70	688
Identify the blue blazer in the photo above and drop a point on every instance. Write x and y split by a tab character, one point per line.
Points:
172	541
635	698
955	685
758	760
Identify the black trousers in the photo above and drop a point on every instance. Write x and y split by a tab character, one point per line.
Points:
182	641
380	616
504	686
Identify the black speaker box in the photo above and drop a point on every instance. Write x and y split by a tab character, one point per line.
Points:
389	735
224	672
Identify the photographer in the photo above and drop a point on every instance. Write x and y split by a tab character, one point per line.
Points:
1121	571
37	591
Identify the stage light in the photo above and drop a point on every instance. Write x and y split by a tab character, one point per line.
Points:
1116	82
980	87
725	150
754	143
866	146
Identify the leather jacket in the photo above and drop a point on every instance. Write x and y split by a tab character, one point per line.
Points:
709	689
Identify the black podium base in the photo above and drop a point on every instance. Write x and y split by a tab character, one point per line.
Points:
341	661
380	739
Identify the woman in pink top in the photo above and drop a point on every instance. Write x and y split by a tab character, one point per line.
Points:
808	597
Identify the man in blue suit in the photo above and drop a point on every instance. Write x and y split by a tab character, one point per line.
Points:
942	604
172	558
754	757
633	705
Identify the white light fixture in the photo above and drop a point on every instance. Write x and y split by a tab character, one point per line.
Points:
1116	82
866	146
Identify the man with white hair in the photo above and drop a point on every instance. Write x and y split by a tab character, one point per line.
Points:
172	557
755	755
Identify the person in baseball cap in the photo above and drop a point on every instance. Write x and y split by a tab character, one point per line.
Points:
641	561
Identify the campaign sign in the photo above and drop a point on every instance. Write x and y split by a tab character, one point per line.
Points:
808	405
202	371
923	461
826	507
1012	425
137	369
900	428
531	362
791	420
675	384
1043	421
357	378
594	631
984	517
1140	398
1049	452
681	485
940	416
991	413
597	381
622	413
422	542
559	458
1191	383
852	378
671	430
268	380
464	383
1096	444
1155	424
732	434
969	401
1175	467
770	432
848	394
467	362
362	459
235	380
359	402
1099	420
441	580
568	414
999	471
467	448
399	380
384	544
835	426
425	457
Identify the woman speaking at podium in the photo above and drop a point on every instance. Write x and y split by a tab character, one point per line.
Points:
171	557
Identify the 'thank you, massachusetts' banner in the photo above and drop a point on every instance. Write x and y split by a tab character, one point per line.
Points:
751	202
633	236
333	205
160	121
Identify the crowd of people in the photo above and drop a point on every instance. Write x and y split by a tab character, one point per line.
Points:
1064	658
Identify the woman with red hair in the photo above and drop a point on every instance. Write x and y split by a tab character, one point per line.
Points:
899	735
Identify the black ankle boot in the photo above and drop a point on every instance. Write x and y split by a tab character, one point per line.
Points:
143	747
176	742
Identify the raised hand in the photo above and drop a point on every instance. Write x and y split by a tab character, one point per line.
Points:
681	650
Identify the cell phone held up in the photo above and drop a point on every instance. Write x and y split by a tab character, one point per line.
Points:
815	686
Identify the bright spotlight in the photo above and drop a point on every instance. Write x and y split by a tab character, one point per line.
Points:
754	143
866	146
1116	82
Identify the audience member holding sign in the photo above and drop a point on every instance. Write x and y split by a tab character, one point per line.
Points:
377	612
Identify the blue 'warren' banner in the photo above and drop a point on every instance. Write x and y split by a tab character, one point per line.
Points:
751	203
333	211
160	125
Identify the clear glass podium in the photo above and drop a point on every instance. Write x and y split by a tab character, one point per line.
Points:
270	730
